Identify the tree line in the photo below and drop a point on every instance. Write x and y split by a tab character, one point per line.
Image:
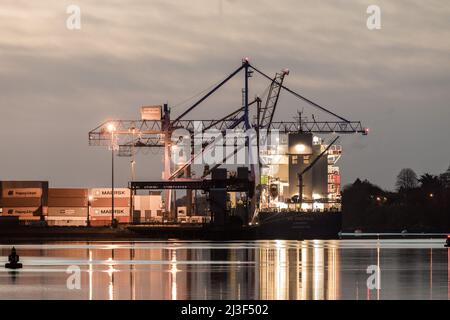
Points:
419	204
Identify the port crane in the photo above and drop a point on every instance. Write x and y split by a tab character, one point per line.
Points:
132	134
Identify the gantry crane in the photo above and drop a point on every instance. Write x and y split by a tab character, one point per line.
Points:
157	133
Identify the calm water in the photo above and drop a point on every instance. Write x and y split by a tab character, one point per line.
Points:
410	269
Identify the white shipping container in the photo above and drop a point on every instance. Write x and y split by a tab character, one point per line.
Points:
106	193
22	193
106	212
64	222
68	212
56	218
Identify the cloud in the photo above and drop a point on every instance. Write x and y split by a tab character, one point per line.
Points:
58	84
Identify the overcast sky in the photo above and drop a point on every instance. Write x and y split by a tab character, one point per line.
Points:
58	84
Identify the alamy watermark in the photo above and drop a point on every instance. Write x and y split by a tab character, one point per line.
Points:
373	281
212	146
73	22
73	282
374	20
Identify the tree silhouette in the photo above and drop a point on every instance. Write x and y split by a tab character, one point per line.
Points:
406	179
445	178
430	181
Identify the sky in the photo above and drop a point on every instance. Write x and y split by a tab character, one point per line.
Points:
58	84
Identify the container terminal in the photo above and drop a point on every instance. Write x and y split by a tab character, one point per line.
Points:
275	179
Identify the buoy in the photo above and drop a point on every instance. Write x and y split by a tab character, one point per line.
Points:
13	259
447	242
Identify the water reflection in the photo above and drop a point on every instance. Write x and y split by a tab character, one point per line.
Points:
303	270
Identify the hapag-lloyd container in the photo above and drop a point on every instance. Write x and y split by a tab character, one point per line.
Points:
21	202
24	189
22	193
23	211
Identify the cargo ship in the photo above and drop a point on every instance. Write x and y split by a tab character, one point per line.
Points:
299	225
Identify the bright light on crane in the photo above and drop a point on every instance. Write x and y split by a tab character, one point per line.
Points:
111	127
300	148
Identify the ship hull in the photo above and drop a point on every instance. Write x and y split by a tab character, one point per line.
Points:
299	225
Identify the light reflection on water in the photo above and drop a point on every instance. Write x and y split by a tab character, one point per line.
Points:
303	270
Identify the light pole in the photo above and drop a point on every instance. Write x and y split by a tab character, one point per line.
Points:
112	129
88	221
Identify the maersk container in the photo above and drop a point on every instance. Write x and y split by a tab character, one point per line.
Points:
103	221
99	193
106	202
106	212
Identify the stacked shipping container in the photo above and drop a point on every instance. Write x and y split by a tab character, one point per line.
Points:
26	200
68	207
100	211
29	201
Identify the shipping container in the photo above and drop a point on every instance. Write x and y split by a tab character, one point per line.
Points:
25	211
68	211
64	222
68	193
22	193
21	202
29	218
99	193
101	221
24	184
24	190
67	202
106	202
106	212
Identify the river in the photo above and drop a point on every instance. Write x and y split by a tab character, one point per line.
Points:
297	270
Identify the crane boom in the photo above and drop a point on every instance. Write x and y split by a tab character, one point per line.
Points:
268	110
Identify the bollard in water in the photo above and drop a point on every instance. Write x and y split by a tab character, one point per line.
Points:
13	259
